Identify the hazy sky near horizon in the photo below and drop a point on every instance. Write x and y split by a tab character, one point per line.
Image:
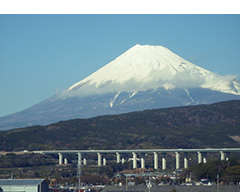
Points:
44	54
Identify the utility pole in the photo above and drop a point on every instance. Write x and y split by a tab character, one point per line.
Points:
217	183
126	183
149	185
79	177
79	171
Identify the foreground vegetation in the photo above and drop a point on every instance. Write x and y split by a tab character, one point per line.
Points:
228	171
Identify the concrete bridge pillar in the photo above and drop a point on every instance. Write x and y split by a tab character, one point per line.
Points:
123	160
99	159
142	162
84	161
65	161
204	157
227	156
118	157
199	157
134	160
155	160
164	161
177	160
185	160
79	159
222	156
60	158
104	161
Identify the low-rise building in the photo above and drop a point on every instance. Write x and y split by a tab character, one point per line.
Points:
24	185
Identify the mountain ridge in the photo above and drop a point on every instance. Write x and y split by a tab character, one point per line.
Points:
200	126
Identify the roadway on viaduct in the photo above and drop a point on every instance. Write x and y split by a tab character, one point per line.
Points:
140	151
202	155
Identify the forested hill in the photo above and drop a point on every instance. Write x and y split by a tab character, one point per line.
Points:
215	125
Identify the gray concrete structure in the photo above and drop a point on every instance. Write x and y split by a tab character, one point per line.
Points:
118	157
185	160
142	162
134	159
104	161
79	158
177	160
227	156
24	185
202	155
60	159
65	161
199	157
222	155
84	161
164	161
155	160
99	159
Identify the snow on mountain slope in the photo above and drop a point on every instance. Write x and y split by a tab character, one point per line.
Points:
144	77
145	67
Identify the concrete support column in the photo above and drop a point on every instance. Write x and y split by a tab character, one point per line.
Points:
118	157
99	159
84	161
134	160
65	161
227	156
164	161
205	157
199	157
142	162
60	158
177	160
104	161
185	160
79	159
155	160
123	160
222	156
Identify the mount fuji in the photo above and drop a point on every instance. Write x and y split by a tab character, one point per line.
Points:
144	77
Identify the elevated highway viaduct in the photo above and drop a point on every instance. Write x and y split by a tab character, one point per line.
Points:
139	154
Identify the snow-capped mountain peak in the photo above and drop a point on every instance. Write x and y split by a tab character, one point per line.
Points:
144	77
144	67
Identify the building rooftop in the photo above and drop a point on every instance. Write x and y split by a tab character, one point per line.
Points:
20	181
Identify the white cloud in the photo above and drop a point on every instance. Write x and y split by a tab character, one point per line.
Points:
155	80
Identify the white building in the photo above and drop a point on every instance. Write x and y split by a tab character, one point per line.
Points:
23	185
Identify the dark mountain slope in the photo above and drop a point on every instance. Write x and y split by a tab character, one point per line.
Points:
54	110
215	125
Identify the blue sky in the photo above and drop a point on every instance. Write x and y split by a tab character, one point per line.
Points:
43	54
